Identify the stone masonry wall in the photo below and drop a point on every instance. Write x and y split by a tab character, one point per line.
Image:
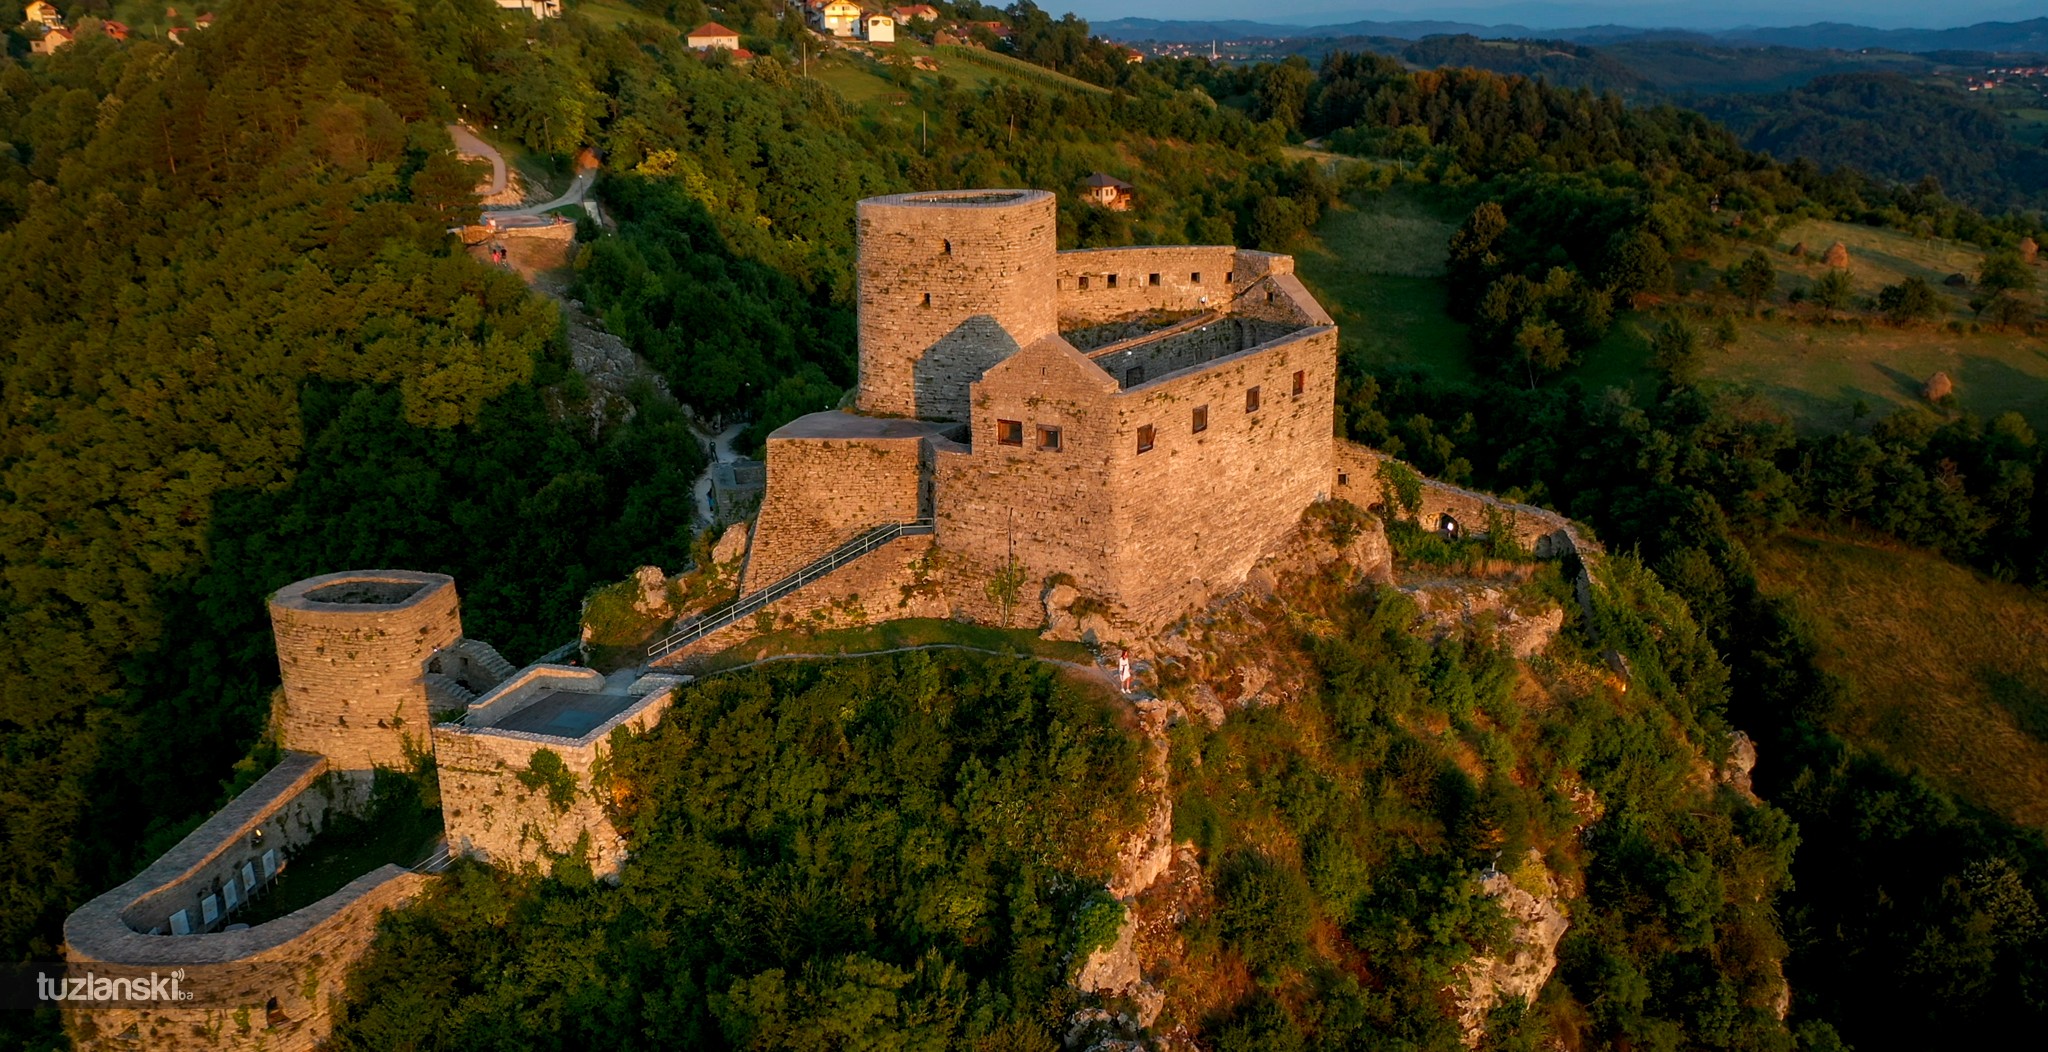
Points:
354	690
1055	509
1545	533
1198	509
1192	277
948	285
1171	353
269	987
494	816
825	492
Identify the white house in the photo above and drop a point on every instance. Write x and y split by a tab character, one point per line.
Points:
878	28
42	13
711	34
536	8
840	18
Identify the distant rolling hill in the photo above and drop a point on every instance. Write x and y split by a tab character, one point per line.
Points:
2027	37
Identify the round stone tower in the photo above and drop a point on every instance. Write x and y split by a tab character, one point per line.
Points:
353	647
950	283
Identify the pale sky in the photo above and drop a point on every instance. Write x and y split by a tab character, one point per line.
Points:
1688	14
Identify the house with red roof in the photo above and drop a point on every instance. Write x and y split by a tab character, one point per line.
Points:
711	35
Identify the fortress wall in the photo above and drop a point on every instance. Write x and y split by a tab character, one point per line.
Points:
898	580
353	648
1187	349
1198	510
1546	534
237	977
516	692
824	492
285	808
298	960
1055	509
948	284
493	815
1179	288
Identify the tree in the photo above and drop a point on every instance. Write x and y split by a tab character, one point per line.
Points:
1637	264
2004	272
1675	350
1752	279
1909	301
1541	349
1832	290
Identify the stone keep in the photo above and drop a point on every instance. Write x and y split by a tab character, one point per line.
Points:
948	285
353	648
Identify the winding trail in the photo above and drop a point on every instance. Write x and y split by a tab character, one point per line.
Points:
466	142
721	453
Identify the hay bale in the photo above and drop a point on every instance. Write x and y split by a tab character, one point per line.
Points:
1956	280
2028	249
1938	388
1838	255
1797	250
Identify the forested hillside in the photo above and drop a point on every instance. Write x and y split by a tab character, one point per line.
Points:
1894	128
238	347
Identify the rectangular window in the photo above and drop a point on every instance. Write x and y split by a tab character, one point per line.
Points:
1251	400
1201	422
1049	438
927	299
1134	376
1010	432
1195	278
1082	280
1229	276
1300	384
1145	439
1112	281
1154	280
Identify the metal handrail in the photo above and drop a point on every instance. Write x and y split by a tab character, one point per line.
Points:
747	605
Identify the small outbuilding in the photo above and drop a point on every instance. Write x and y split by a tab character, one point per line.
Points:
878	28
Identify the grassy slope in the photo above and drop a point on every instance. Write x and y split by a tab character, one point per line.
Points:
1818	372
1950	670
1375	264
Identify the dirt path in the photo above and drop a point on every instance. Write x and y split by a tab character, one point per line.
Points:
466	142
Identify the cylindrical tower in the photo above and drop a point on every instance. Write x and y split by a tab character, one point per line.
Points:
950	283
353	647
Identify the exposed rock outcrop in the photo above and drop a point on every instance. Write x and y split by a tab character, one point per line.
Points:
1522	967
1741	760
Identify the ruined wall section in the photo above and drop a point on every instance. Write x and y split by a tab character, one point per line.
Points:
824	492
272	986
948	284
494	815
1360	474
1198	509
353	649
1053	507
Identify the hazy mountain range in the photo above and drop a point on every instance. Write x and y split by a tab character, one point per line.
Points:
2005	37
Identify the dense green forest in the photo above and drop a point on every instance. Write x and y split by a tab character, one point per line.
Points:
902	852
1894	128
239	348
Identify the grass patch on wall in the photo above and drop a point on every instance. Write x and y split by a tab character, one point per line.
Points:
1948	670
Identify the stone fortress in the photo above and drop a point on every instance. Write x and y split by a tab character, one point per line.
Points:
1129	428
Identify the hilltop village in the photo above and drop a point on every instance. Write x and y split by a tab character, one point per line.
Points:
1122	433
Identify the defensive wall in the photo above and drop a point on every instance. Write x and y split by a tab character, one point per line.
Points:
271	986
506	803
837	475
1151	471
353	648
948	284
